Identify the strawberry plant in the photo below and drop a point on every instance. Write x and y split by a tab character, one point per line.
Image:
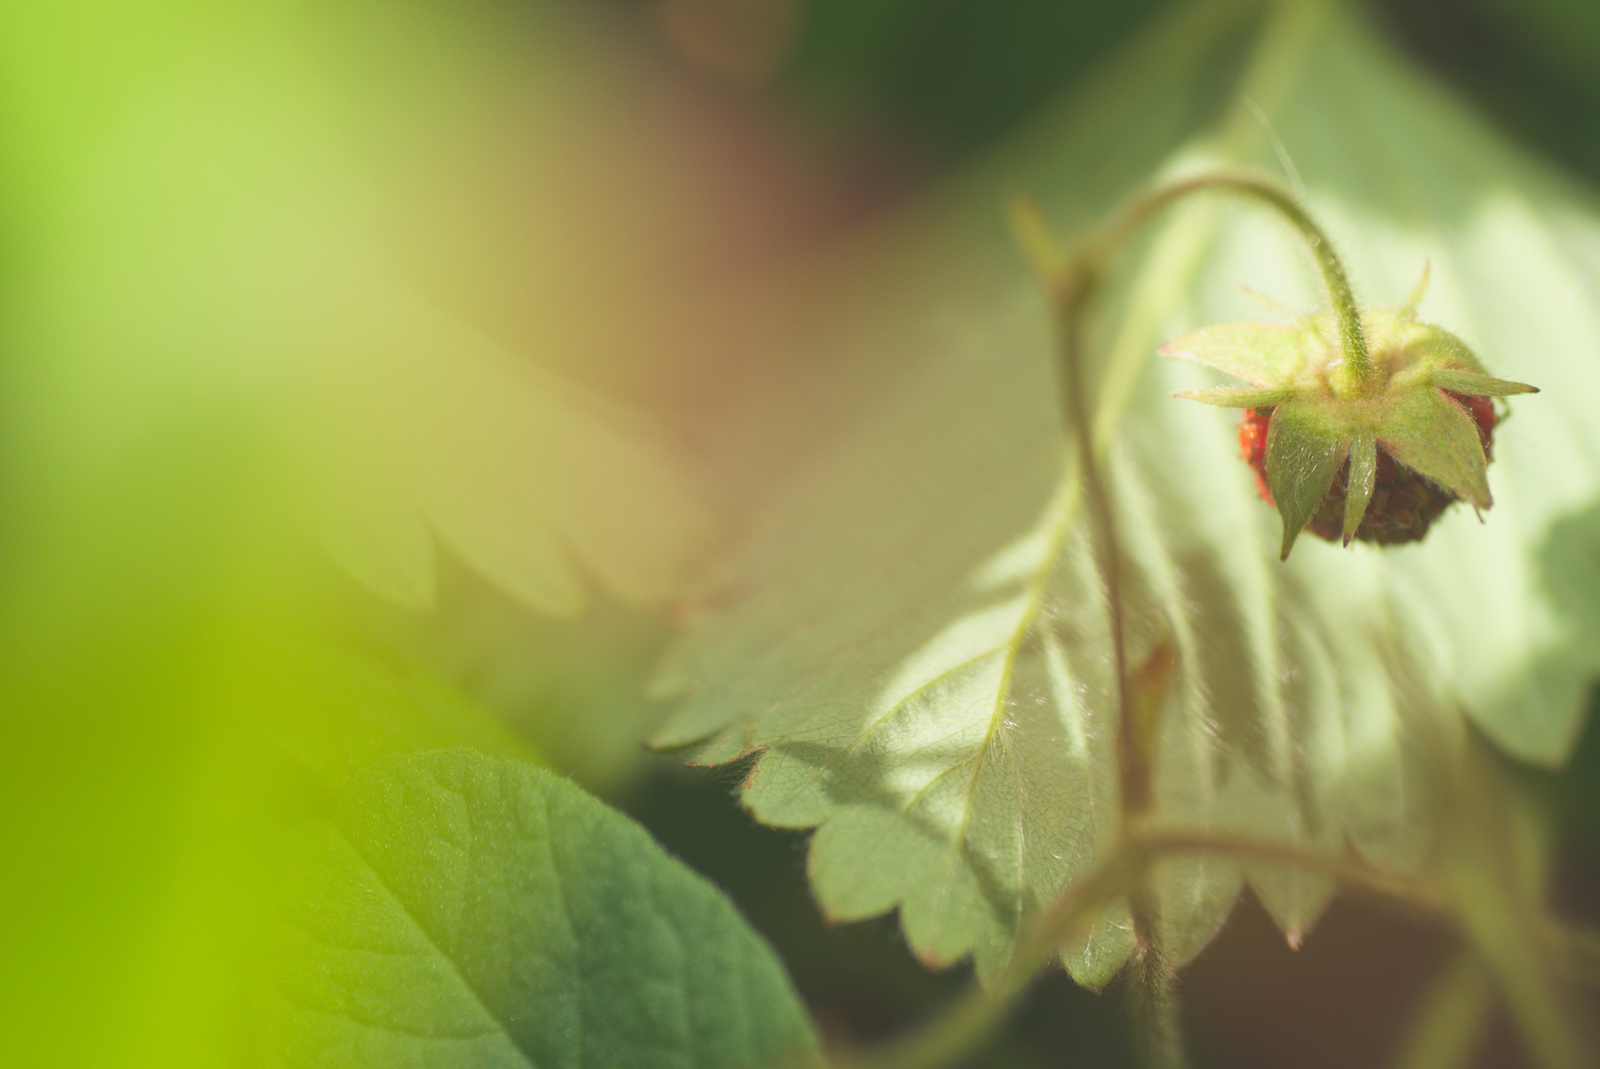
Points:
430	430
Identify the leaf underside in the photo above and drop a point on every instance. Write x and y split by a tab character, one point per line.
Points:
915	633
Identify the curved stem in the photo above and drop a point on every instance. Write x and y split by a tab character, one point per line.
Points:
1160	842
1355	370
957	1031
1071	292
1070	283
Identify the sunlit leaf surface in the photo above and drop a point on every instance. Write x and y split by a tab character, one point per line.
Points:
915	634
460	910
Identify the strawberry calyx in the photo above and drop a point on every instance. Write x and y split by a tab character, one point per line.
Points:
1404	503
1372	456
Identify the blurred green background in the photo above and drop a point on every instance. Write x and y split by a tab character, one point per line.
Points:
151	622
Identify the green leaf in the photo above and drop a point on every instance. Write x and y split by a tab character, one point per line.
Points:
330	712
913	635
455	909
1362	480
532	480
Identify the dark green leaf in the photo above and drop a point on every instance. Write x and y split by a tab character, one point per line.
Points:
467	911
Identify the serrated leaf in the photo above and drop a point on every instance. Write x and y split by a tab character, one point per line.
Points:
464	910
429	428
915	635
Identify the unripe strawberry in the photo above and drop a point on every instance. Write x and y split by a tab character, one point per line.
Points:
1376	454
1404	503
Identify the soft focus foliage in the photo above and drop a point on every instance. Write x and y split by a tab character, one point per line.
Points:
390	388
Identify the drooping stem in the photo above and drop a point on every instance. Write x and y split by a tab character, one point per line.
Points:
1355	372
1157	1015
1070	282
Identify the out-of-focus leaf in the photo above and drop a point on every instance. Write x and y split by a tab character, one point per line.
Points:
915	634
369	228
330	712
463	910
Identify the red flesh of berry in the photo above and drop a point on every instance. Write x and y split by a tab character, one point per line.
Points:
1404	503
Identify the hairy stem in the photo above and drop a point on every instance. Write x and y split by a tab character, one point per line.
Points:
1156	1014
1069	284
1168	842
1355	371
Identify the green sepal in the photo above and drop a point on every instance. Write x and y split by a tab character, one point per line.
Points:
1362	479
1476	383
1434	435
1264	354
1304	451
1237	396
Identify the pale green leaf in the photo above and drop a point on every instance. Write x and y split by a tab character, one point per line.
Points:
455	909
914	634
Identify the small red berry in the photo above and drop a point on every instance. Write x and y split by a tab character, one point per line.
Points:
1358	424
1253	444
